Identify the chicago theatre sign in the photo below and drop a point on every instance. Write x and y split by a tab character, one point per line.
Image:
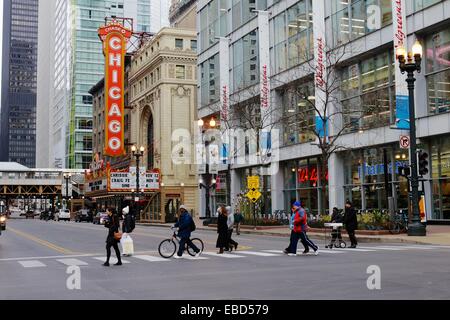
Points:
115	38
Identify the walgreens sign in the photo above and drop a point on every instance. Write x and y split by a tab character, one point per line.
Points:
115	38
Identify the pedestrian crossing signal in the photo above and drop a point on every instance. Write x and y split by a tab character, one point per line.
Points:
423	163
404	171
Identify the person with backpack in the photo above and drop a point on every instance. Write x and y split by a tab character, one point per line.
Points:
185	225
128	223
230	224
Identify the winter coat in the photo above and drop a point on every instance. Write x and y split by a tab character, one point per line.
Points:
350	219
300	220
113	226
184	225
336	217
126	225
222	230
230	221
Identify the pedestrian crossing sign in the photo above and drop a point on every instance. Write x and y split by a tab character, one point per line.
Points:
253	182
254	195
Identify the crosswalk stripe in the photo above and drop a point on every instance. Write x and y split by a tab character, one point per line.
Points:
111	260
225	255
32	264
384	248
72	262
353	249
188	257
150	258
261	254
415	248
330	251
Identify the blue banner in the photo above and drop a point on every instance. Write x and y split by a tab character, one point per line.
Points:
402	112
321	127
224	153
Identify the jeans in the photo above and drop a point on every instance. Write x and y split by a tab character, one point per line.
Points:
182	245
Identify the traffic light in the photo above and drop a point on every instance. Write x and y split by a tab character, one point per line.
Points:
423	163
404	171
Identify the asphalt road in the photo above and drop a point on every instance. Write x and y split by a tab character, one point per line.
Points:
35	257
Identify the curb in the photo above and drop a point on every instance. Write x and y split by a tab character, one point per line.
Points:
314	235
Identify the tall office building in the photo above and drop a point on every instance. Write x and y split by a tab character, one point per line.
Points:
283	37
19	75
78	66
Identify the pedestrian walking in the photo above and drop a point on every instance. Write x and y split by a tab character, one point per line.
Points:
128	223
238	216
336	217
351	223
113	237
222	230
230	224
185	225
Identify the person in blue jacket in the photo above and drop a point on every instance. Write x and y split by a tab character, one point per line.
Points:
184	224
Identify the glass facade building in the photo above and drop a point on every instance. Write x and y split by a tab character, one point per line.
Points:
19	82
364	99
79	65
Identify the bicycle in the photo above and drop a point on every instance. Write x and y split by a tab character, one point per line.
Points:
168	247
398	223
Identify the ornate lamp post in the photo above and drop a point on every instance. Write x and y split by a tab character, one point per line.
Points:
137	154
67	177
209	182
411	62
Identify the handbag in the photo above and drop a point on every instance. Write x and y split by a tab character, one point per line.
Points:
118	235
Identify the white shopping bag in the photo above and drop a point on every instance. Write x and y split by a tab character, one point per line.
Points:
127	245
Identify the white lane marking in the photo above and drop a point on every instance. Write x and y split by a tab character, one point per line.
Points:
225	255
188	257
150	258
111	260
72	262
413	247
48	257
32	264
353	249
384	248
261	254
300	253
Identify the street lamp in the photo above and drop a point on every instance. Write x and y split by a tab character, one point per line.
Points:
137	154
409	63
67	177
207	176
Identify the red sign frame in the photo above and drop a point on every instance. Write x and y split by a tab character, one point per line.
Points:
115	38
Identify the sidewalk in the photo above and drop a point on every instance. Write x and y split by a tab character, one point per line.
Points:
436	235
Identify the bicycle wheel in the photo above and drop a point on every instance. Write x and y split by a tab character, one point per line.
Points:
167	248
342	244
394	227
198	243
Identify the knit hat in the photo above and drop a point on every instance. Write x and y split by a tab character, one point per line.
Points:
297	204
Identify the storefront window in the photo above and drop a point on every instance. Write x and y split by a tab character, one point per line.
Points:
365	178
302	183
438	71
440	173
422	4
245	62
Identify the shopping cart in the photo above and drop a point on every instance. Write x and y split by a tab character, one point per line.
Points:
335	230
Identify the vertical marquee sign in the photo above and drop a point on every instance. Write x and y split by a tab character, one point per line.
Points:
114	37
320	65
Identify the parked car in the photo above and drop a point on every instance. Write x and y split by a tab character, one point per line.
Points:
47	215
84	215
63	214
30	214
100	218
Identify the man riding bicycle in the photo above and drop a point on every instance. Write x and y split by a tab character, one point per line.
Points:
185	227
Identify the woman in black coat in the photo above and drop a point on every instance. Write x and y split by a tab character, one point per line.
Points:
113	227
222	230
351	223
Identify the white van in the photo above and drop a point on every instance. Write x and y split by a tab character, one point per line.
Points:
63	214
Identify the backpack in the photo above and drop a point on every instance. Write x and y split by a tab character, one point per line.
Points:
192	225
130	222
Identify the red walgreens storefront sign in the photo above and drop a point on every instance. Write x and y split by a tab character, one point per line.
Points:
115	38
309	174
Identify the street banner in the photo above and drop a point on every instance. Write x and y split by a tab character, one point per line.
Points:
115	38
320	66
213	160
401	88
224	58
200	158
